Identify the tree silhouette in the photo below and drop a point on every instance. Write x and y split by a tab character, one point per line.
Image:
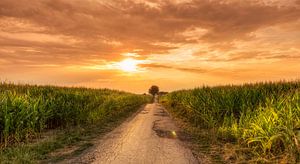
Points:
153	90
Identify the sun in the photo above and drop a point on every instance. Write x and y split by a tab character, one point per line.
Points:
128	65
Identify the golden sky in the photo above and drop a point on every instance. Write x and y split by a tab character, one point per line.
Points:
132	44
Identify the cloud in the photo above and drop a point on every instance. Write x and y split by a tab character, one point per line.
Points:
192	70
137	25
195	36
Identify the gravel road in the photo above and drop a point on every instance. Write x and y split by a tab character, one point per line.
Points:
150	137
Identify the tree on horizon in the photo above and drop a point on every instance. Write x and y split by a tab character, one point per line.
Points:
153	90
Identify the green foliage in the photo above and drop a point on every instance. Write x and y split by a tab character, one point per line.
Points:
26	110
262	116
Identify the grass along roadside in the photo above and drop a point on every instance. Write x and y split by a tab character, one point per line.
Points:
60	144
202	142
205	144
26	110
248	123
29	113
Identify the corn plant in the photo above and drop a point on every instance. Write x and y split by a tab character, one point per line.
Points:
26	110
262	116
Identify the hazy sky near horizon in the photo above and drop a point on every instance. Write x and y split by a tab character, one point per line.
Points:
132	44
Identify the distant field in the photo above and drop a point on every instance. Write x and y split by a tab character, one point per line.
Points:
26	110
262	118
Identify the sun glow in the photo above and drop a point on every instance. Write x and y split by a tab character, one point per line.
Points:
129	65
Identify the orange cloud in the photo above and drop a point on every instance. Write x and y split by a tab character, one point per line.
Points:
190	36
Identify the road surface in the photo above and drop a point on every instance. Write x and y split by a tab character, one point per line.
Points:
149	137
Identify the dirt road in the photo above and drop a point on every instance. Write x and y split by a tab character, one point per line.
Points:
149	137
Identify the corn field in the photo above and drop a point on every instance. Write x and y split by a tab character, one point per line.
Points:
264	117
26	110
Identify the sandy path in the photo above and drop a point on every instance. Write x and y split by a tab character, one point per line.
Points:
150	137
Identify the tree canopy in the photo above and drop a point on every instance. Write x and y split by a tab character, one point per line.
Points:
153	90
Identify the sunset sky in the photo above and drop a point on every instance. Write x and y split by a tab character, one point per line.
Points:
132	44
